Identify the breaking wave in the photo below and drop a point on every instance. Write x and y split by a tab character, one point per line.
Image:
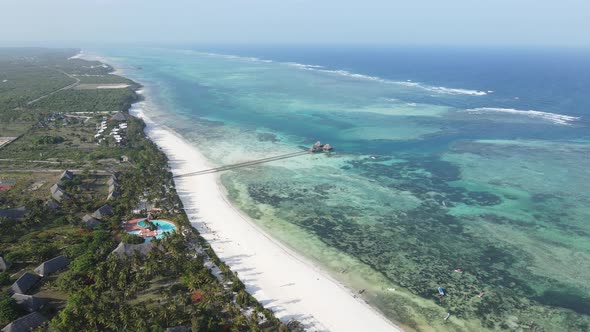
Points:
553	117
435	89
303	66
225	56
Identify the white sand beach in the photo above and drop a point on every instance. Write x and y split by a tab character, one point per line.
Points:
280	279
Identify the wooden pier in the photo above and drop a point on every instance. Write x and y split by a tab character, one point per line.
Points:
244	164
317	147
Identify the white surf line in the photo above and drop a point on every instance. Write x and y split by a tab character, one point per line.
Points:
553	117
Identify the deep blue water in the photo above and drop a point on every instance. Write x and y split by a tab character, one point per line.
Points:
548	80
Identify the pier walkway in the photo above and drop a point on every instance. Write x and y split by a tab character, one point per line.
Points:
244	164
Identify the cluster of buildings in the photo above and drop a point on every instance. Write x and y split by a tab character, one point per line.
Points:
113	184
53	117
58	193
30	303
118	132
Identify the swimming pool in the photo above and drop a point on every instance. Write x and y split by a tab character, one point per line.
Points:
164	227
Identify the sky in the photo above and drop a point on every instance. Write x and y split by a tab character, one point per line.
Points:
415	22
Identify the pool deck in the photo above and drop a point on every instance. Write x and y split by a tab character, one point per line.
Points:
132	225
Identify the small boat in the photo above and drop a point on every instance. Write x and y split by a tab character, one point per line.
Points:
373	157
441	291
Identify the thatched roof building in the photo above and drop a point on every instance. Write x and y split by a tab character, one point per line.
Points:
58	193
56	187
119	116
112	181
65	176
51	204
14	213
104	211
26	323
113	195
89	221
4	265
24	283
178	329
28	302
125	249
51	266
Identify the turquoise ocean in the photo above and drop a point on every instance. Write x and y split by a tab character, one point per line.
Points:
444	159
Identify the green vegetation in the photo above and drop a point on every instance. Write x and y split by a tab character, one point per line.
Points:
105	79
49	140
100	291
8	310
97	100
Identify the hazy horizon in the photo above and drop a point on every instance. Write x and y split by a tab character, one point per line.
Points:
380	22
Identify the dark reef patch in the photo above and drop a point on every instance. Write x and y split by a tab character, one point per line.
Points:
566	299
419	248
267	137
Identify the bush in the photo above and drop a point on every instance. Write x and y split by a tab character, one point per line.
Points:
8	310
48	140
131	239
4	278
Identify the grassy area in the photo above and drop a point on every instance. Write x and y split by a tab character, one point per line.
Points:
28	186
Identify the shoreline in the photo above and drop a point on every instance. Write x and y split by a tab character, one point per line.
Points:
282	280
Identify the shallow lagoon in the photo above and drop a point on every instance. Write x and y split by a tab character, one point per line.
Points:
417	187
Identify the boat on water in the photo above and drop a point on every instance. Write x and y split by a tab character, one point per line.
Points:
441	291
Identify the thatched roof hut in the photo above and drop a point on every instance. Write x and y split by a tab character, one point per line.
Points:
24	283
28	302
113	195
51	266
178	329
55	188
89	221
125	249
112	181
65	176
51	204
14	213
4	265
58	193
102	212
119	116
26	323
